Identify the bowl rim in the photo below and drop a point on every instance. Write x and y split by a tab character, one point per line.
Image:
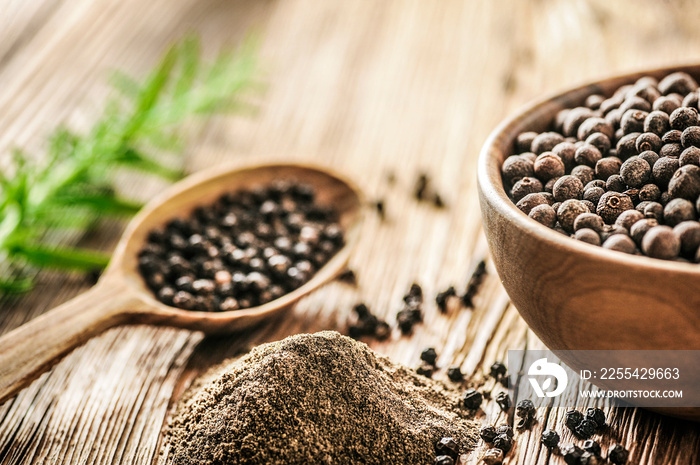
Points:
490	184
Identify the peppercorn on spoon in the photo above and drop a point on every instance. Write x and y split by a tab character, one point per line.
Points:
122	297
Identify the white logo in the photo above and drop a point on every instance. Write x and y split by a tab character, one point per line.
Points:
542	367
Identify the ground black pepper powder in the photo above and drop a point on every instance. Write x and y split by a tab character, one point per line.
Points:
316	398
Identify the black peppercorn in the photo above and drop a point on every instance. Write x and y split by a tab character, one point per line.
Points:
429	356
572	418
606	167
546	142
620	243
455	374
544	214
550	439
503	401
447	446
588	236
488	433
666	104
635	171
640	228
493	457
677	83
661	242
627	218
569	211
649	192
585	173
567	187
425	369
572	454
685	183
612	204
683	117
523	143
627	145
588	155
586	428
688	233
566	152
515	168
525	186
593	125
591	446
678	210
548	166
497	370
505	429
633	120
443	296
472	399
617	454
525	411
575	117
503	442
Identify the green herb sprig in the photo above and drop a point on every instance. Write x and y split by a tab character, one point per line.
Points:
139	129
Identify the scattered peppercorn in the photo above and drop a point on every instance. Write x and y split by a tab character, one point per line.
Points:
429	356
472	399
447	446
493	457
368	324
503	442
525	411
597	416
591	446
503	401
474	284
572	419
550	439
455	374
586	428
505	429
442	298
380	208
425	369
348	276
572	454
617	454
488	433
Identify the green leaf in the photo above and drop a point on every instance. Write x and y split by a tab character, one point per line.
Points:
189	66
101	203
16	285
61	257
134	159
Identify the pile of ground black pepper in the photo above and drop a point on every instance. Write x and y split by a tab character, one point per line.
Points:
620	171
317	398
246	249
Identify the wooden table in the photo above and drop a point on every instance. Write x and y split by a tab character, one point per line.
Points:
369	88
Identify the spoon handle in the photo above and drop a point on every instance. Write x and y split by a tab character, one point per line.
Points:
31	349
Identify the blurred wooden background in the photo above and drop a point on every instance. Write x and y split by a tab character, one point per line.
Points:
370	88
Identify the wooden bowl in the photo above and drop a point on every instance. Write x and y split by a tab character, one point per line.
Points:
576	296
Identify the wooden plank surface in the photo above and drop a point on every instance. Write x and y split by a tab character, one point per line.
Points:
370	88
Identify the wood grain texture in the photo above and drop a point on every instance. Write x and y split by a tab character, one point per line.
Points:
370	88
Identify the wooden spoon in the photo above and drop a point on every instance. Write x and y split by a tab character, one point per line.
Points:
121	295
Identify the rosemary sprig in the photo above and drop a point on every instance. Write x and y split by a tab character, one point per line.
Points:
72	185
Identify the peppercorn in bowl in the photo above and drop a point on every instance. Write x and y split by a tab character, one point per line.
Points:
590	204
